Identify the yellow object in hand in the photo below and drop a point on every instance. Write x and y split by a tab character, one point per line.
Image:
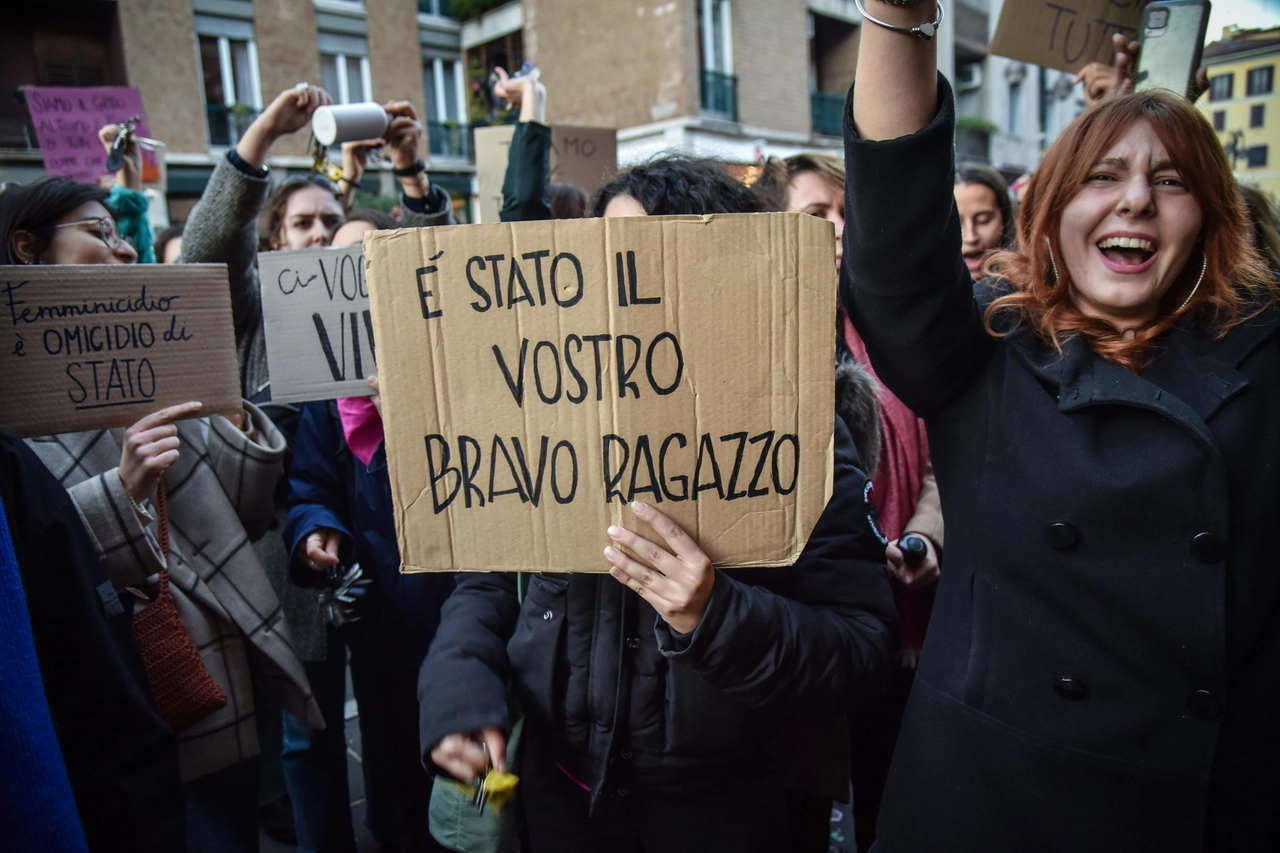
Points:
500	787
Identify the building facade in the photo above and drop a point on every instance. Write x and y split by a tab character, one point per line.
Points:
1243	105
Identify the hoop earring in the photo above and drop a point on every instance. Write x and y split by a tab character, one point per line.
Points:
1053	261
1204	265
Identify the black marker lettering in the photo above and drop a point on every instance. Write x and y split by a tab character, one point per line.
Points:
741	438
753	491
612	480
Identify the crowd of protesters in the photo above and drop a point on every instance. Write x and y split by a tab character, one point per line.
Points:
1082	380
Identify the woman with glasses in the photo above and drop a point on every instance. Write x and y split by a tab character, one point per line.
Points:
220	478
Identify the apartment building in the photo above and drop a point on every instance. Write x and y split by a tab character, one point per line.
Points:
1243	104
206	68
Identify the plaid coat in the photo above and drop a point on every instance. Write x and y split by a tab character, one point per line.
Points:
220	497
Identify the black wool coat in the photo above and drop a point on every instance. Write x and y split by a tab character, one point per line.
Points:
629	707
1102	670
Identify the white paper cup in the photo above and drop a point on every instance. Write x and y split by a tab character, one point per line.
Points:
340	123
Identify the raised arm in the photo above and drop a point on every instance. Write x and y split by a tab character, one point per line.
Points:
904	282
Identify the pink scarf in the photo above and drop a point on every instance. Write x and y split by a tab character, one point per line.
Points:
362	425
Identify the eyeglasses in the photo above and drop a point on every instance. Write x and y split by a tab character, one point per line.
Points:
106	230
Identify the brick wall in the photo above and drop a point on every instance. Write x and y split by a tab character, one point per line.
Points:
395	57
614	63
158	37
288	54
771	61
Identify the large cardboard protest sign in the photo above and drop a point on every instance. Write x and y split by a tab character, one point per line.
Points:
538	376
315	307
67	120
89	347
1064	34
586	157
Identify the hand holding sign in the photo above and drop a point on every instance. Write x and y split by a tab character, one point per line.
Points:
151	446
1102	81
677	585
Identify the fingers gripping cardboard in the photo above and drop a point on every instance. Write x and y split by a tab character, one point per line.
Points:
538	376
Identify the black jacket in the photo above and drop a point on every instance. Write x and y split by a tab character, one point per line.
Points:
628	703
1102	670
121	757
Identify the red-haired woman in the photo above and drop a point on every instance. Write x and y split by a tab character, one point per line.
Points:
1102	670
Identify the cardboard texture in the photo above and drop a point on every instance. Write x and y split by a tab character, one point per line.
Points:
1064	34
67	120
97	346
586	157
538	376
315	307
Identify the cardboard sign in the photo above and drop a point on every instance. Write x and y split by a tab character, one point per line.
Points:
67	121
96	346
586	157
538	376
315	307
1064	34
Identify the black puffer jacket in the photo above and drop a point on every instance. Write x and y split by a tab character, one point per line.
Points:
628	703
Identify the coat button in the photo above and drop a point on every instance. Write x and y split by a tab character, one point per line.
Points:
1205	705
1071	688
623	792
625	755
1208	547
546	617
1061	535
633	642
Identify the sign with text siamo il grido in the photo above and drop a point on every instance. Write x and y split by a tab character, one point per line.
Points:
102	345
315	311
538	376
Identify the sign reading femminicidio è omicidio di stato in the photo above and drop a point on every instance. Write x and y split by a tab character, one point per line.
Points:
538	376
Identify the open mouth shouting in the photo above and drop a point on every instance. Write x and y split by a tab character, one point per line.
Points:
1128	253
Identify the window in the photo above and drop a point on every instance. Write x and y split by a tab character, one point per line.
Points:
1257	115
438	8
345	78
232	93
1219	120
1256	156
1015	107
1260	80
442	83
719	86
1220	87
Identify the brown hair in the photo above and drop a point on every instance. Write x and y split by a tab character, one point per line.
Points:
272	220
774	184
1235	284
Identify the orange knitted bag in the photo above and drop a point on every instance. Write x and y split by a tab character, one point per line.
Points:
184	691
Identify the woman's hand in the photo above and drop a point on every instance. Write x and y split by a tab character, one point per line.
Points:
524	93
919	576
403	144
465	757
355	156
151	446
677	585
1102	81
289	112
130	174
318	550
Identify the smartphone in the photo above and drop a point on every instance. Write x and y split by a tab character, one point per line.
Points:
1170	41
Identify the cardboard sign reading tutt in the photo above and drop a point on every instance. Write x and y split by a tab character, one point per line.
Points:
315	307
1064	34
538	376
90	347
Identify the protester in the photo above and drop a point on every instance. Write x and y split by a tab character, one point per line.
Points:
664	742
1264	217
986	215
340	515
127	202
56	220
1104	655
121	758
906	494
568	201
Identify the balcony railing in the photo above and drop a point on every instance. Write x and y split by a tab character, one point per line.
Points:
828	113
719	94
228	124
449	139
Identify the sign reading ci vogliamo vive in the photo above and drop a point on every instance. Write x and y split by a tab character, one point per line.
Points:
538	376
96	346
315	308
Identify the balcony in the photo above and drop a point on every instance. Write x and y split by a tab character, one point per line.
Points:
828	113
227	124
719	95
449	139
